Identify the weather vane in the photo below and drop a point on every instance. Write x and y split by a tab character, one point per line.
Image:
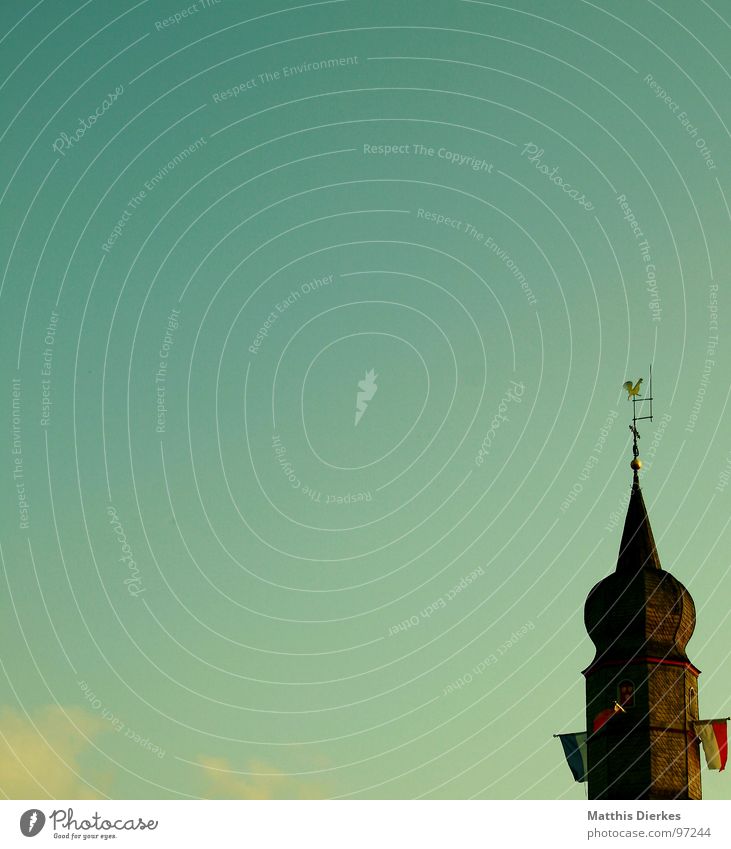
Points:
633	395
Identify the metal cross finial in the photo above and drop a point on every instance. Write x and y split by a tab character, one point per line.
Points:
635	437
633	395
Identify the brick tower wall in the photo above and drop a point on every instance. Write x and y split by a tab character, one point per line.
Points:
644	753
675	757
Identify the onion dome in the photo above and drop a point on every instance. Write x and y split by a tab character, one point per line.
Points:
640	610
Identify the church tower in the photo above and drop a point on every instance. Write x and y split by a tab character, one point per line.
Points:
641	688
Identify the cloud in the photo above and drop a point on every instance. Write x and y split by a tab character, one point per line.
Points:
223	782
39	753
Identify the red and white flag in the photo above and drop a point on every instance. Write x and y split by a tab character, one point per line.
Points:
714	738
605	715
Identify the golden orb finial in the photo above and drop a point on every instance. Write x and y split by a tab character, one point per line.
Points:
636	464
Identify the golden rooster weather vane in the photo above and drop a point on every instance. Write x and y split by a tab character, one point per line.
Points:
633	395
633	391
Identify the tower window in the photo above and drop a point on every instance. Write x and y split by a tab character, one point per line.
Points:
626	693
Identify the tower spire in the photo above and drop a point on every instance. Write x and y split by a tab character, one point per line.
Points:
641	688
637	549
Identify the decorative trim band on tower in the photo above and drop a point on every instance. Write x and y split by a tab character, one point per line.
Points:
664	661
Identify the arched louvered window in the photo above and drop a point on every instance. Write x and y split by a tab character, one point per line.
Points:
626	693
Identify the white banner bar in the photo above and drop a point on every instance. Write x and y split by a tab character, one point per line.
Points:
365	824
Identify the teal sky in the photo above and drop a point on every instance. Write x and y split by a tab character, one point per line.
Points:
215	583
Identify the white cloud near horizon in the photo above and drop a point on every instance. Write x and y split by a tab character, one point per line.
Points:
39	753
222	782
